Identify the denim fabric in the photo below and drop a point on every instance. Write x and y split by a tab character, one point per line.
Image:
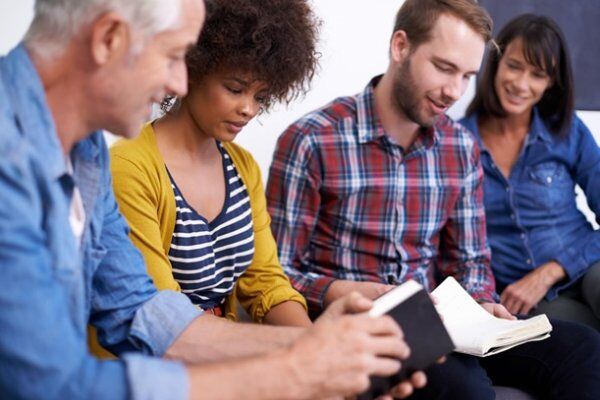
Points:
532	217
53	288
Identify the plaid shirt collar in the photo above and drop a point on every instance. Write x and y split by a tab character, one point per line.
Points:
370	128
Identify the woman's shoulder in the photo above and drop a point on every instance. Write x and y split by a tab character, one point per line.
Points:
578	126
140	151
582	137
577	135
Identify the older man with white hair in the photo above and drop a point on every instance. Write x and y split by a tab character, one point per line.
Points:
66	260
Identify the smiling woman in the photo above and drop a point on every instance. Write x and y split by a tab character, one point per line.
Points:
193	199
545	255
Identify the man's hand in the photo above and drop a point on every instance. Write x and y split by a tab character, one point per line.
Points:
337	355
406	388
497	310
521	296
340	288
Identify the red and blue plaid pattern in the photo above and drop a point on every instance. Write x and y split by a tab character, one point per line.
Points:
348	203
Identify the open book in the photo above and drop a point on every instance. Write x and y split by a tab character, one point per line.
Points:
475	331
411	307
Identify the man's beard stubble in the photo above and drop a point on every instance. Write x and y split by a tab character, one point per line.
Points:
406	96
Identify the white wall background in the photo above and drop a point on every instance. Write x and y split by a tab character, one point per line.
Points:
354	47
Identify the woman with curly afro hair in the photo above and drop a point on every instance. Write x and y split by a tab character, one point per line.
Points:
194	200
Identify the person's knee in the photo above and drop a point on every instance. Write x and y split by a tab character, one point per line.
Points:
589	339
473	387
460	377
568	309
585	360
577	345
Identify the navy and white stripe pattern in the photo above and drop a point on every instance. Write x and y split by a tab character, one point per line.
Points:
208	257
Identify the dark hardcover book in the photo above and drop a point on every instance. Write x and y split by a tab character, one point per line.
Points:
424	332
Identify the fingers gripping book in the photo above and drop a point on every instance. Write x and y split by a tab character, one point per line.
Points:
411	307
464	327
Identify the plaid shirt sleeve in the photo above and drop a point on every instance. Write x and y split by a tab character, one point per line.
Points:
466	254
294	200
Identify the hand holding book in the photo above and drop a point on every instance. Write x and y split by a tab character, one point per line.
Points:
477	332
497	310
412	308
464	325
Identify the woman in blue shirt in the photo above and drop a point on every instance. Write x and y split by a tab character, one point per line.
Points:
545	254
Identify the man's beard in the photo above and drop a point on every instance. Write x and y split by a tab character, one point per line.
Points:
406	96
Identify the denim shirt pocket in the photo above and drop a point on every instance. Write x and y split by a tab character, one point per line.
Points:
551	185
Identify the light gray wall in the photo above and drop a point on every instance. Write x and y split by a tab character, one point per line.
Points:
354	47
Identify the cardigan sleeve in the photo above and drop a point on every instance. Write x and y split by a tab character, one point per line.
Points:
264	284
138	195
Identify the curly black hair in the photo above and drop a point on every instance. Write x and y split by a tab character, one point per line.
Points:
272	40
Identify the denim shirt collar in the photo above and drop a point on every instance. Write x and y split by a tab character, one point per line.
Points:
36	123
537	131
369	124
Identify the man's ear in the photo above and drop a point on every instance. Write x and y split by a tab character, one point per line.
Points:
399	46
110	37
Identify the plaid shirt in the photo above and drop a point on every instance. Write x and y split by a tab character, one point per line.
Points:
348	203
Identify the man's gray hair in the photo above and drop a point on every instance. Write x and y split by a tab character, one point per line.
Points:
56	21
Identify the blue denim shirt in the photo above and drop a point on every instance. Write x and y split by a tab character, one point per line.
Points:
53	287
532	217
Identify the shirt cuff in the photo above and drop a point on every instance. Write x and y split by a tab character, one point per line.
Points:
161	320
485	297
315	294
573	263
275	297
153	378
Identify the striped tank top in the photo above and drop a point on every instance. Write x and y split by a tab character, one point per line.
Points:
207	258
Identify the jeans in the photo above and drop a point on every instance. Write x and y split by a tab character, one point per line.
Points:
564	366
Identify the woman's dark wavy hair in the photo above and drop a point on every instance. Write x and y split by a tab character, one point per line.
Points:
272	40
544	47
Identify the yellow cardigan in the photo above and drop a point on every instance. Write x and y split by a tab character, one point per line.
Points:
143	191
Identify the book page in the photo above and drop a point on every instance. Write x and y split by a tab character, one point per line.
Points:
474	330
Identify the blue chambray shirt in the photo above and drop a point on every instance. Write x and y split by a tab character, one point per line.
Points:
51	288
532	217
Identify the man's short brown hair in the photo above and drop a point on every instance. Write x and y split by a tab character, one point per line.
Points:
418	17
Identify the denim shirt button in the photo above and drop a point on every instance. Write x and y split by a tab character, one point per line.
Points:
523	236
512	216
528	261
508	188
549	179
